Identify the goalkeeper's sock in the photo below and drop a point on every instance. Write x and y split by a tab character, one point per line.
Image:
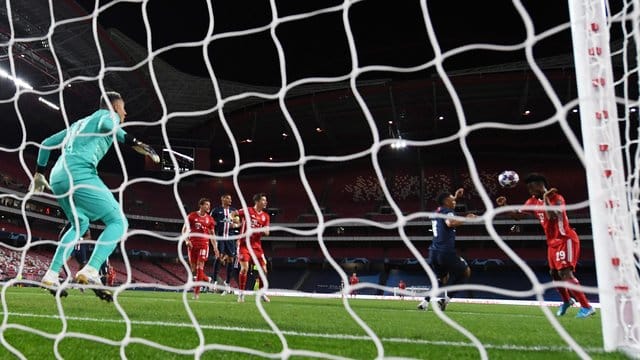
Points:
564	294
242	279
579	295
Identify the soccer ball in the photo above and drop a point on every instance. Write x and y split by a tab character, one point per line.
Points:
508	179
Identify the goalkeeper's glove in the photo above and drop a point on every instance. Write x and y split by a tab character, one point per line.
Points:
39	183
147	150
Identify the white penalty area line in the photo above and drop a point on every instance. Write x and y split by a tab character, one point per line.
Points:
349	337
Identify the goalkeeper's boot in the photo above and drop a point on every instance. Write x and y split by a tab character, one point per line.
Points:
51	283
424	305
562	309
85	277
584	313
265	298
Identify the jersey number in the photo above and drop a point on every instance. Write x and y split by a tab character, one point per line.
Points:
560	255
74	130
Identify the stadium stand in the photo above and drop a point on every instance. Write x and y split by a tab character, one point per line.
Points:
345	190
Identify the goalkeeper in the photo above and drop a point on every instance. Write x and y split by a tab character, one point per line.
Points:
81	193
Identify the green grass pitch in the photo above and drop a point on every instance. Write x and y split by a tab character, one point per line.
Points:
160	327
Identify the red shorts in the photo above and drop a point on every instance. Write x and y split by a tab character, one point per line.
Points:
199	253
563	253
245	256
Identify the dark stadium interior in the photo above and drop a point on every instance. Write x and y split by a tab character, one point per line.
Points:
494	89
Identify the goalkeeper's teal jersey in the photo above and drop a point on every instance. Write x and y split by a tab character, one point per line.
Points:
85	143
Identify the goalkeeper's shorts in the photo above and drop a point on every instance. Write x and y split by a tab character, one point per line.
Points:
91	197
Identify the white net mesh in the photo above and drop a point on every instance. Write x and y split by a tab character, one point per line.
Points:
453	101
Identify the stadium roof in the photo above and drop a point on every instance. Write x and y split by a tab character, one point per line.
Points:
413	106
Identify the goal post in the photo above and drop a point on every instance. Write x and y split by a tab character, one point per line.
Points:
610	208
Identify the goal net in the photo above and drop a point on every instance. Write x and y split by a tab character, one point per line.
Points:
352	117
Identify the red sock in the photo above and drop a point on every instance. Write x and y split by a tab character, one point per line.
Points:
242	279
579	295
564	293
201	275
196	290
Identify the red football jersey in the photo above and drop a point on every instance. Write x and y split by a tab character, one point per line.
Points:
258	220
200	224
554	229
353	280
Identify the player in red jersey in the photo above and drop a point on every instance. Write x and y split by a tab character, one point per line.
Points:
402	286
563	244
353	280
200	227
111	276
259	220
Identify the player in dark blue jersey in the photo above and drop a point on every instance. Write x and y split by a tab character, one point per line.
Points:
443	259
226	230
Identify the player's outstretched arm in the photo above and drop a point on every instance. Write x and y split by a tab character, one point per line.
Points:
39	183
456	223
